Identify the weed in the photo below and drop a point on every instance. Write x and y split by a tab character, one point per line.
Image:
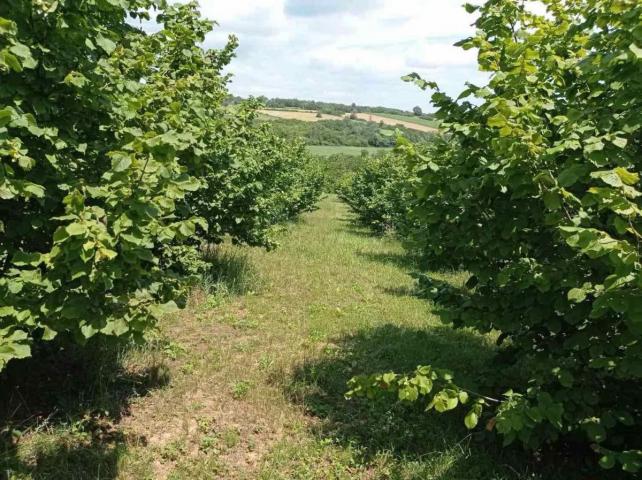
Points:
208	444
204	425
231	437
173	451
174	350
245	324
188	368
265	362
240	389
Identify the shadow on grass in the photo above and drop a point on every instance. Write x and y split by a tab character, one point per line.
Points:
401	291
403	260
406	431
352	226
59	410
231	270
70	458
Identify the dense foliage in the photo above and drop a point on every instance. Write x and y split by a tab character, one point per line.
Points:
535	190
339	168
381	193
117	160
351	133
258	180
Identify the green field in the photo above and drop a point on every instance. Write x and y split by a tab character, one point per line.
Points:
411	119
326	150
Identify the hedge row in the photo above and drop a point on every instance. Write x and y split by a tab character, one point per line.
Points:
534	188
117	161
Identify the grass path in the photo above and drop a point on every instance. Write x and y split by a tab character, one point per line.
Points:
257	378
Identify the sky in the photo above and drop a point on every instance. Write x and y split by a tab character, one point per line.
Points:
345	50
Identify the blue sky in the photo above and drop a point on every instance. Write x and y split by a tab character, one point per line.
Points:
345	50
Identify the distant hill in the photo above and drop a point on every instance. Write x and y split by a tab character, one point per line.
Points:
389	119
343	132
330	108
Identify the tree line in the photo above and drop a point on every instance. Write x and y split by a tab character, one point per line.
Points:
330	108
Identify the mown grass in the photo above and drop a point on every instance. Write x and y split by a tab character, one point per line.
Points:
248	382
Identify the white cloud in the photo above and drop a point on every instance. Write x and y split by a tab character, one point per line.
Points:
344	50
310	8
440	55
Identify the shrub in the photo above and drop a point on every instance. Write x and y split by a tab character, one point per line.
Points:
338	169
254	181
106	136
534	189
381	193
87	194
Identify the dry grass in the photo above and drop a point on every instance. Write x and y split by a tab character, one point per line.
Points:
371	117
303	115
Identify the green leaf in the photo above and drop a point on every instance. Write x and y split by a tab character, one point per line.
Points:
166	308
595	431
619	142
576	295
5	116
35	190
565	378
571	175
32	259
26	163
498	120
187	228
105	43
629	178
610	177
14	344
607	461
116	327
10	61
7	27
408	394
120	161
470	8
420	82
76	79
76	229
423	383
471	419
552	200
105	254
445	401
21	50
388	378
48	334
637	51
